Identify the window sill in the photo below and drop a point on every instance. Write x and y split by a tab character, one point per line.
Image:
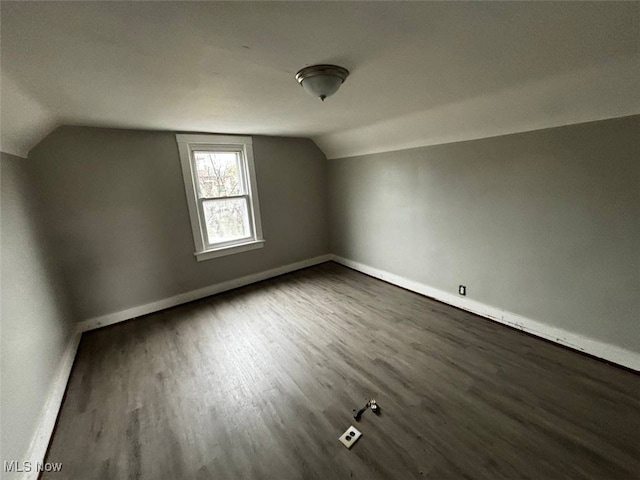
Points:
229	250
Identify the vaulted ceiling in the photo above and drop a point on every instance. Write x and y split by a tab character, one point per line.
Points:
421	72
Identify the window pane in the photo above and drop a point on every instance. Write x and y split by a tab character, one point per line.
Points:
226	219
218	174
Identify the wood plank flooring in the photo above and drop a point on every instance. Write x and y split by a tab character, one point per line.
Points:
258	383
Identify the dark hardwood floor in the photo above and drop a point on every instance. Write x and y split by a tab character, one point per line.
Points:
258	383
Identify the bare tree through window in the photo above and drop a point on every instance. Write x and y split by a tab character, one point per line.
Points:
223	195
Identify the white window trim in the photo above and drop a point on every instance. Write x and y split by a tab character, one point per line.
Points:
187	144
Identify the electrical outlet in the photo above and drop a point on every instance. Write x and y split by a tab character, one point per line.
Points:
350	437
462	290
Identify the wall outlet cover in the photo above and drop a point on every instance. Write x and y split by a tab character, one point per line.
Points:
462	290
350	437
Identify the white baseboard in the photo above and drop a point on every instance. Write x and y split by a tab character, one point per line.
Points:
49	415
40	442
179	299
611	353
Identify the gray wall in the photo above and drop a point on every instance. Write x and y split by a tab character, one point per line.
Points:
545	224
35	323
116	215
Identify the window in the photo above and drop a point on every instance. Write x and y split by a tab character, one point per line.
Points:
220	182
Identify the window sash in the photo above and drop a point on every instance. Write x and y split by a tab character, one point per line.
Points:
244	186
241	163
203	222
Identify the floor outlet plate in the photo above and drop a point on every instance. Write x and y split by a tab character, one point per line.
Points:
350	437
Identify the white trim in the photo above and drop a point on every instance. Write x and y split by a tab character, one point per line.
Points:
49	414
229	250
181	298
254	199
51	409
204	138
243	145
190	188
611	353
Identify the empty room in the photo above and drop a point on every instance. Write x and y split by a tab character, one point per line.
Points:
319	240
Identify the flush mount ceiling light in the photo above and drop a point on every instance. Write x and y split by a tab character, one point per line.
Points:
322	80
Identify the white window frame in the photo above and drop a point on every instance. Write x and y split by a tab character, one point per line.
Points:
187	145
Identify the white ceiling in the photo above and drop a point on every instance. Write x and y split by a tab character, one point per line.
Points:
421	73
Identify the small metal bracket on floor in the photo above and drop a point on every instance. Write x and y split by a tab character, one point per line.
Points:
372	404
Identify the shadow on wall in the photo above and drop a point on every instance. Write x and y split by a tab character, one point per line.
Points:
114	200
36	317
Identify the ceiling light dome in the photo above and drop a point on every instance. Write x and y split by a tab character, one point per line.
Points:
322	80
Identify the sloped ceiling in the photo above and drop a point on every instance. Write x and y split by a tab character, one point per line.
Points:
23	120
421	73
